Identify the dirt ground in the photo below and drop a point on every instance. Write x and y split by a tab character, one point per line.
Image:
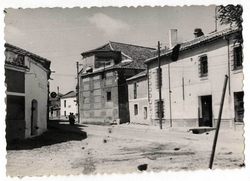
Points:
92	149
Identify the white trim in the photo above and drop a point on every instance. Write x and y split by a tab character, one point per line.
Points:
126	55
15	93
111	46
13	67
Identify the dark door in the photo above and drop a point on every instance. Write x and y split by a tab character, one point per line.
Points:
34	117
206	111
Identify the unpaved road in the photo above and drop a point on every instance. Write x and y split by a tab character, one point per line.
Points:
92	149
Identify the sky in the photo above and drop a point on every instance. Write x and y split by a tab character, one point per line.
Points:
61	35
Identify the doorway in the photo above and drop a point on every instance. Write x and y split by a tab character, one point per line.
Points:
206	111
34	114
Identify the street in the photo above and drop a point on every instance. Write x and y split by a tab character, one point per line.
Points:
92	149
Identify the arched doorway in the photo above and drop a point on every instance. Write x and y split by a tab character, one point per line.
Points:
34	115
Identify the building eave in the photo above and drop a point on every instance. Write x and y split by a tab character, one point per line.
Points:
43	61
200	41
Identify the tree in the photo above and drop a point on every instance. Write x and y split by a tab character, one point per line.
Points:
231	14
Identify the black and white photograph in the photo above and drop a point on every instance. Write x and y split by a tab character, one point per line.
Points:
122	90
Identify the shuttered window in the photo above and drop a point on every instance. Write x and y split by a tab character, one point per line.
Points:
135	90
203	66
157	108
135	109
238	57
239	106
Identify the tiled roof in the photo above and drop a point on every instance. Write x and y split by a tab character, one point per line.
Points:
141	74
138	54
199	41
43	61
16	64
69	94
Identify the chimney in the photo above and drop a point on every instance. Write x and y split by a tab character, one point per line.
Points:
173	39
198	32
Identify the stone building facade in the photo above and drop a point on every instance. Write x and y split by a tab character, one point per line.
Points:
103	89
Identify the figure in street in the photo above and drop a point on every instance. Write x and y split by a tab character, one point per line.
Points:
71	119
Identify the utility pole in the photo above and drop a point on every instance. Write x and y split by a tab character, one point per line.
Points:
77	91
218	124
170	92
215	18
159	85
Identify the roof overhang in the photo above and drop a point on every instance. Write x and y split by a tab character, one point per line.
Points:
200	41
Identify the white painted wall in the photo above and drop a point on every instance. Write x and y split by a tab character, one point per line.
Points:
141	101
70	106
36	88
194	86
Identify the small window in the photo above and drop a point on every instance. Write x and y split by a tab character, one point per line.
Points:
109	96
65	113
238	57
145	112
65	103
135	90
203	66
157	109
135	109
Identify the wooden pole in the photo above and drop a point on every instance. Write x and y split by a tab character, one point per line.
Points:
78	91
159	86
218	124
169	93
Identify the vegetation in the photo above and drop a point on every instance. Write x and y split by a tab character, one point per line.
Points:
231	14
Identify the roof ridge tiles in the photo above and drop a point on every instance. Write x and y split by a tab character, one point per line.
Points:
132	45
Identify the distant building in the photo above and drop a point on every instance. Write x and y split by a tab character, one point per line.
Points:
68	104
55	106
103	87
26	81
138	98
192	86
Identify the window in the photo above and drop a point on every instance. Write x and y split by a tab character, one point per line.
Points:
157	108
65	113
239	106
238	57
158	79
145	112
203	66
109	96
65	103
135	109
135	90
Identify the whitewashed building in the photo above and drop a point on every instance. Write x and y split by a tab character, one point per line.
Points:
68	104
138	98
192	86
26	80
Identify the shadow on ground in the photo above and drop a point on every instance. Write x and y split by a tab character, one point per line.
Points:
57	133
